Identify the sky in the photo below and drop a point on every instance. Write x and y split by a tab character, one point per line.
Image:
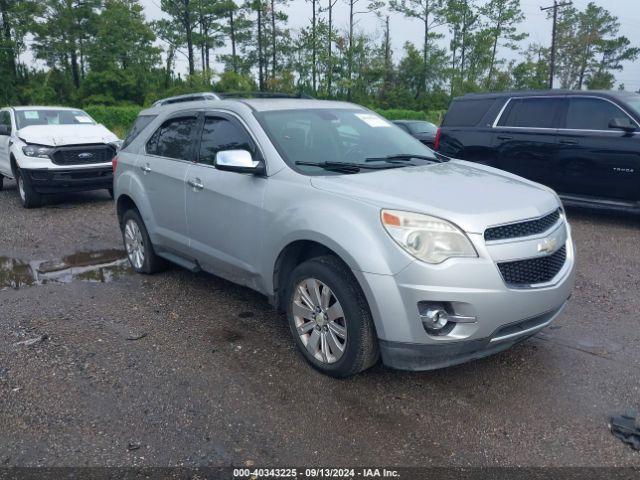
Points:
402	29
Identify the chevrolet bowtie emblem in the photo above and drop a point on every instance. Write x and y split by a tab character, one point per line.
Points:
548	245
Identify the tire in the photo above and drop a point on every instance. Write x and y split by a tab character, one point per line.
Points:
338	355
110	190
1	183
28	196
134	236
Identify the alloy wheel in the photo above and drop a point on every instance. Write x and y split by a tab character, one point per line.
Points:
319	320
134	244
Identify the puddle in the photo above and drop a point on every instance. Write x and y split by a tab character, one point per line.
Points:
99	267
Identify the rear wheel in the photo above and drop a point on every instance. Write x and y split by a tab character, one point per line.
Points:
28	196
330	319
110	190
138	246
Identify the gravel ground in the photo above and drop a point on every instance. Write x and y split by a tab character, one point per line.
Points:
184	369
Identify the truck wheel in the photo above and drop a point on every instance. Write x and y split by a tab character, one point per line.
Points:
110	190
138	246
28	196
330	319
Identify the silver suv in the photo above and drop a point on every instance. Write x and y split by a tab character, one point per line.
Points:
373	245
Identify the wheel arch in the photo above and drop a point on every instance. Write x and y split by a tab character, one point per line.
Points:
13	163
124	203
292	255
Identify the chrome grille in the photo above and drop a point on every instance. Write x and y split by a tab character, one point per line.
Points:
522	273
522	229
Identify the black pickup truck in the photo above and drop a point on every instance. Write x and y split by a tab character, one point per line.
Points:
583	144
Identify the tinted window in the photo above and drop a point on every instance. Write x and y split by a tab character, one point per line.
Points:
591	114
173	138
467	113
634	102
530	112
141	122
221	134
5	119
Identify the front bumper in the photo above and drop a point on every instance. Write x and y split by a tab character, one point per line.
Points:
416	356
501	316
47	181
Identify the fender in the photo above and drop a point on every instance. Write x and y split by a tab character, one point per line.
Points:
363	245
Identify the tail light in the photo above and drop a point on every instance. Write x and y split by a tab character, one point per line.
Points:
114	163
436	143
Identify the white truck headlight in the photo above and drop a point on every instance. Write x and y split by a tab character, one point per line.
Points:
38	151
429	239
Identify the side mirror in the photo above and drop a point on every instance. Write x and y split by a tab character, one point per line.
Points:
5	130
623	124
240	161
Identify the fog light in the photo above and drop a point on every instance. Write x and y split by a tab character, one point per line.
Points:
435	319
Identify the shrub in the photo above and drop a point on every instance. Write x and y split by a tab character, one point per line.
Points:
116	119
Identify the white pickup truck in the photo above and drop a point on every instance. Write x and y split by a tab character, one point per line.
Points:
53	150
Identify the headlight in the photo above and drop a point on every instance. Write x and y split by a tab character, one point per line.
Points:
37	151
429	239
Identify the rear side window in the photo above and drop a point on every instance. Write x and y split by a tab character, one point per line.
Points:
530	113
467	113
221	134
141	122
173	139
591	114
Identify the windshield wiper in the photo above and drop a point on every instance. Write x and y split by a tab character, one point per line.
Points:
402	157
347	167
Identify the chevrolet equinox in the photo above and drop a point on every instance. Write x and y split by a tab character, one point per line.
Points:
374	246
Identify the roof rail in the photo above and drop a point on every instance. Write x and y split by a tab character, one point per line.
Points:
189	97
263	95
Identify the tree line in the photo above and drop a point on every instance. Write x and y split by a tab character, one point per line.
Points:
106	52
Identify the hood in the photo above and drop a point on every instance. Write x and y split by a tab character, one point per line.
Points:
469	195
55	135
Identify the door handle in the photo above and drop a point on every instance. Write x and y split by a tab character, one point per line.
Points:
196	184
145	168
505	137
569	142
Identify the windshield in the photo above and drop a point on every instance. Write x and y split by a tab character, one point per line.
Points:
28	118
422	127
339	135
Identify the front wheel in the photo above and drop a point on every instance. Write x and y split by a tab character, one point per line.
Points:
28	196
138	246
330	319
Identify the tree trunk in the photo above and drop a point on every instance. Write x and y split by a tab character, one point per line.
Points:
6	33
232	33
350	51
425	47
329	59
75	71
167	77
313	46
189	31
273	39
260	54
463	48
